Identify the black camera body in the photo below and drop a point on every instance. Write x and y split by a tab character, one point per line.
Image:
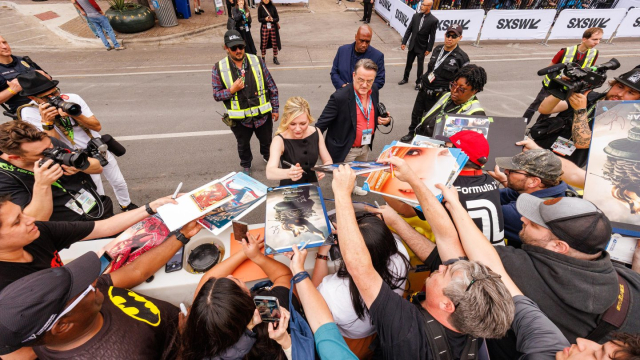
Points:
97	149
63	156
382	110
70	108
575	79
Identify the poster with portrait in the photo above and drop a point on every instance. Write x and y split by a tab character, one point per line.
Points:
613	168
295	215
359	167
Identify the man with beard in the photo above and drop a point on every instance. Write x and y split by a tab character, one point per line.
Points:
348	55
535	172
570	130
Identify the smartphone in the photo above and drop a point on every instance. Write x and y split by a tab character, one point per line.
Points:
175	263
268	307
240	230
105	261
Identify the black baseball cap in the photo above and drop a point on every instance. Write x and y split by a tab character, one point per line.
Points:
631	78
31	304
454	28
233	38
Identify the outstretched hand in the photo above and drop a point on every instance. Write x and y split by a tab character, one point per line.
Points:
449	195
388	213
401	169
251	246
344	179
297	258
498	175
528	144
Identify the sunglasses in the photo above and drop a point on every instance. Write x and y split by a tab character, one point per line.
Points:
367	215
236	47
475	280
48	96
507	171
70	307
453	36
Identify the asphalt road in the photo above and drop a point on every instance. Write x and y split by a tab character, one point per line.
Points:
157	100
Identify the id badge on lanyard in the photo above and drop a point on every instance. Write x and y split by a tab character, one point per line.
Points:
268	25
85	200
367	136
562	146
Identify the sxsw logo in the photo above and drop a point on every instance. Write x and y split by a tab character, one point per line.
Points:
518	24
637	23
385	4
579	23
402	17
443	25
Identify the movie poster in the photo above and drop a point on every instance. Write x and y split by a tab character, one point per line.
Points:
613	169
453	124
359	167
295	215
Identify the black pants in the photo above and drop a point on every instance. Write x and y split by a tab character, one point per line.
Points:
368	9
411	55
243	136
531	110
424	102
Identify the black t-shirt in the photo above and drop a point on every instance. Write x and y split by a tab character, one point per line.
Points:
446	72
480	196
135	327
427	127
54	236
401	328
61	190
579	156
11	71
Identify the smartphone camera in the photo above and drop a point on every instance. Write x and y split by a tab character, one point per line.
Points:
268	307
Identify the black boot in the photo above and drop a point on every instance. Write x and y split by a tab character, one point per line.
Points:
275	61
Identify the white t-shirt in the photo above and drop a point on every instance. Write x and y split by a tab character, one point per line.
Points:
335	291
32	115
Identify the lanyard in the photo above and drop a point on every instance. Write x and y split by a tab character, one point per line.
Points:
441	59
67	125
367	114
455	108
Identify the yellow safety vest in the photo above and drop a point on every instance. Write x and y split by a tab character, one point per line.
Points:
235	110
469	108
568	57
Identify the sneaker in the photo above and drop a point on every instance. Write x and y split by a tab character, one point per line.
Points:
197	12
131	206
407	138
403	81
247	171
357	190
201	11
110	48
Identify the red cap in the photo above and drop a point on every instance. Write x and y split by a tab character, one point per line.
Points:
473	144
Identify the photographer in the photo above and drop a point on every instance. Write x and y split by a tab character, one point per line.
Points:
77	131
570	130
47	191
10	67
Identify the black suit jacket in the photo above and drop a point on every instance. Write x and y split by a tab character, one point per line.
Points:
422	40
339	119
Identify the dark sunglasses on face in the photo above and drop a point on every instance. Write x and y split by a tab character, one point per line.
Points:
453	36
234	48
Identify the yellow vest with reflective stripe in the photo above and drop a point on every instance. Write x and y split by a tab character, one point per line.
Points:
469	108
569	55
234	108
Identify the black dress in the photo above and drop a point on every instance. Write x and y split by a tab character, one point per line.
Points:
243	22
304	152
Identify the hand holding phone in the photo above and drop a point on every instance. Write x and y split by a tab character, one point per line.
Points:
175	263
240	230
268	307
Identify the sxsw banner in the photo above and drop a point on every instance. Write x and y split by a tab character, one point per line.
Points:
401	17
630	26
470	20
517	24
572	23
626	4
386	9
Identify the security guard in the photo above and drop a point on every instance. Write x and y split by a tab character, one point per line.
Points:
446	60
469	81
584	54
10	67
245	86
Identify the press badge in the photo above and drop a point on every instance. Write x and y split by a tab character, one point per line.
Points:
84	199
246	28
268	25
366	137
564	147
431	77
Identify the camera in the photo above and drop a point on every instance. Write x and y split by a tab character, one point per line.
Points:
63	156
382	110
70	108
575	79
97	149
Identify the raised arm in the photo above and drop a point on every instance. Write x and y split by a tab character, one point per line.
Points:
552	105
223	269
277	272
580	130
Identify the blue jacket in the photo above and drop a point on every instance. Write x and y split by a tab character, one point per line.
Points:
345	62
512	222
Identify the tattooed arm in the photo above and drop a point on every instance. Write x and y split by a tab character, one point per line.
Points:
580	131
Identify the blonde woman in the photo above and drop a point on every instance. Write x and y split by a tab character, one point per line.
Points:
297	143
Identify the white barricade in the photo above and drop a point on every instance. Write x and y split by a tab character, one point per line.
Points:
470	20
630	26
290	1
573	22
401	17
626	4
517	24
386	9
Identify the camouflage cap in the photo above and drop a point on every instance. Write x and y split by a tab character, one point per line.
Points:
541	163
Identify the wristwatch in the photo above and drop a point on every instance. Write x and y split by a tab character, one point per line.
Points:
322	257
149	209
580	111
183	239
47	127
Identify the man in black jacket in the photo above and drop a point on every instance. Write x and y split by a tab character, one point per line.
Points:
423	28
351	117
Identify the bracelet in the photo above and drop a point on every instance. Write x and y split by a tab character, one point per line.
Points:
322	257
11	91
149	209
47	127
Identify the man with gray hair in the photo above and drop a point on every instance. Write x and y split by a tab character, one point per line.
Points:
465	298
351	117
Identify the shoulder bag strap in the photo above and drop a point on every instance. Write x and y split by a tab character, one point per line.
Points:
614	317
438	344
265	9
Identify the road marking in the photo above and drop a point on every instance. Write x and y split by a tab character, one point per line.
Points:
173	135
18	31
328	66
31	38
22	22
